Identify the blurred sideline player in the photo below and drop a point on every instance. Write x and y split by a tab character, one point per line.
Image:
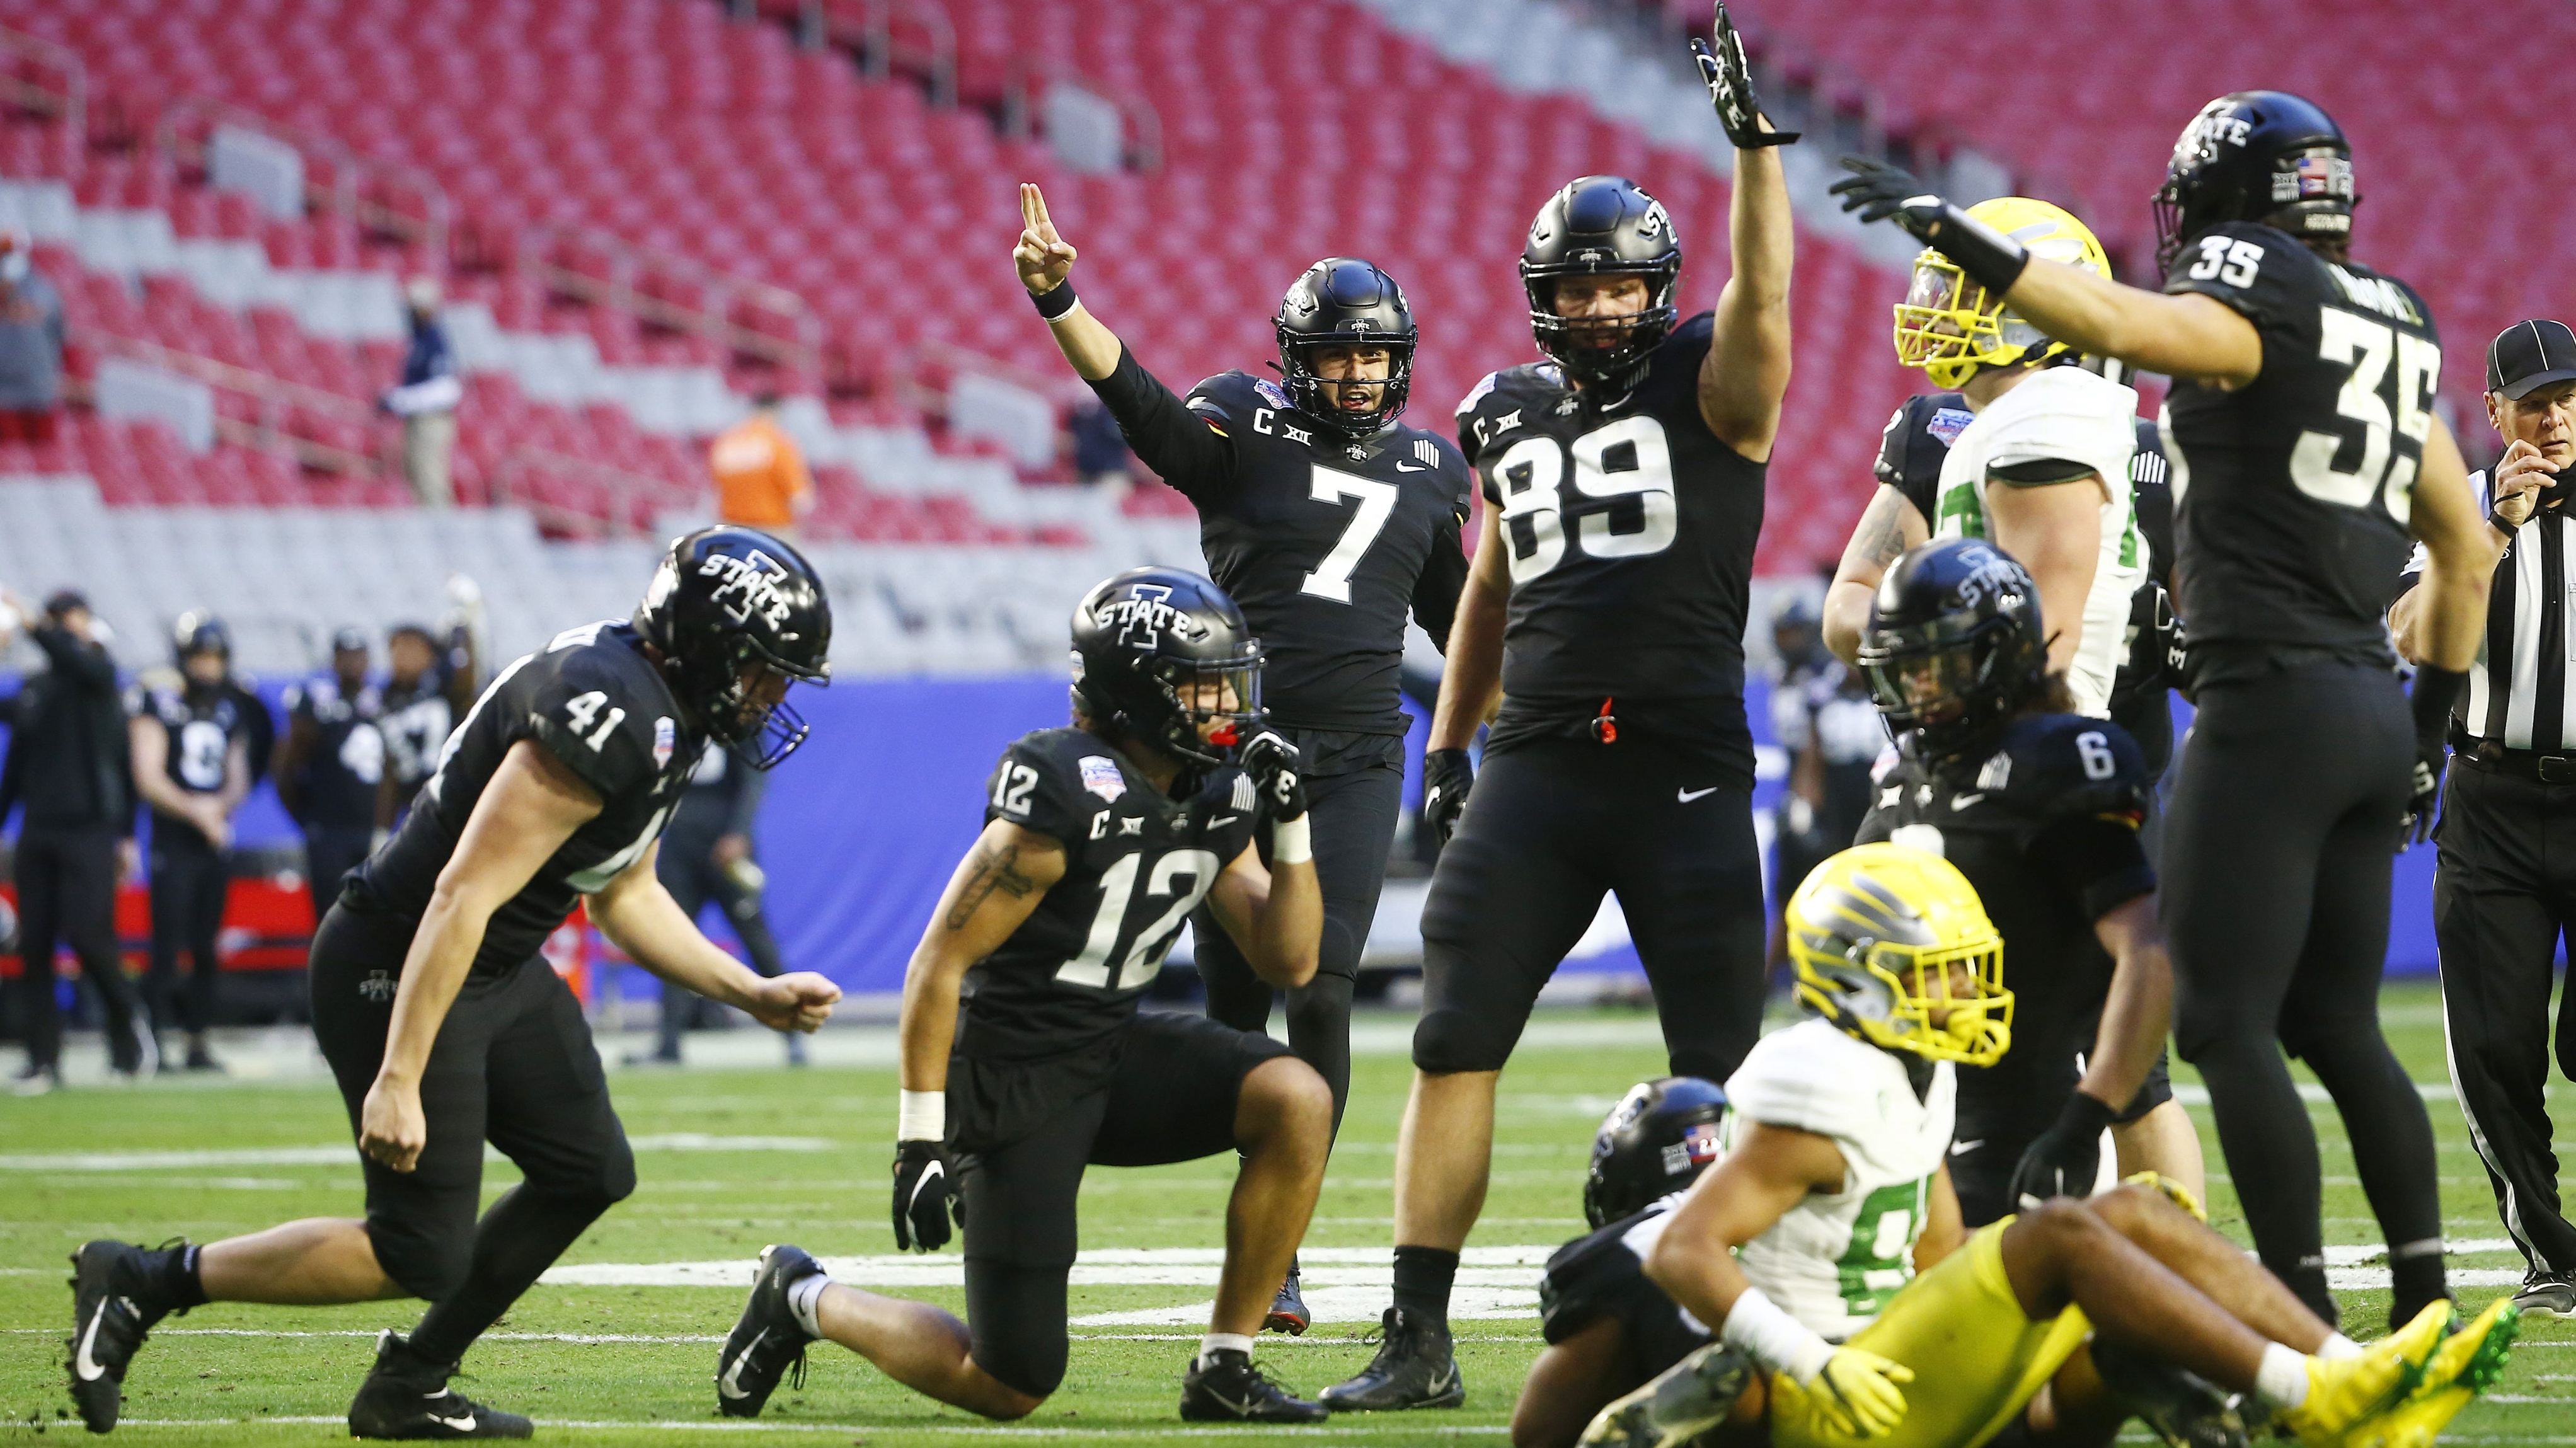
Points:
707	856
1967	339
1606	610
2039	808
1852	1305
331	766
194	737
2305	452
444	1025
1098	842
429	684
1327	520
1821	713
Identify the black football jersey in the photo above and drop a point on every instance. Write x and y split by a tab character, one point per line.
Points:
592	700
1603	1274
416	721
1910	453
1631	532
1326	543
2292	493
347	764
1137	862
202	724
2045	828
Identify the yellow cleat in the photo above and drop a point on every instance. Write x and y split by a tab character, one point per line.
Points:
2467	1363
2346	1392
2413	1423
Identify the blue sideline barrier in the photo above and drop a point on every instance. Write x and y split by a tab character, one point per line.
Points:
864	825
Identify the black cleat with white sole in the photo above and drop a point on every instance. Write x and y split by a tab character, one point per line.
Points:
2185	1409
113	1308
767	1340
2549	1294
407	1397
1226	1386
1414	1368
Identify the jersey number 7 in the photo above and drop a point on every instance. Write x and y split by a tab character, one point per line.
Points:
1332	577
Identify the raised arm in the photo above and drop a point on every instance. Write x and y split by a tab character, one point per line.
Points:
1185	449
1747	369
1887	527
1275	915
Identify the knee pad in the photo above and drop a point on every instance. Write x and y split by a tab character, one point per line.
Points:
429	1265
1454	1039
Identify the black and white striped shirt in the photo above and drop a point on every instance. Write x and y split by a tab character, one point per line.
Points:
2521	692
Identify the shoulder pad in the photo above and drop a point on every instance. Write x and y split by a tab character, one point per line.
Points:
1228	395
1053	781
2065	766
2072	416
597	709
1476	394
1798	1078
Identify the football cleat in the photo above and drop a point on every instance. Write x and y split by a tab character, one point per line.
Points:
2467	1363
1226	1386
2345	1392
112	1312
2185	1409
1288	1312
2551	1294
1684	1401
767	1341
1414	1368
407	1397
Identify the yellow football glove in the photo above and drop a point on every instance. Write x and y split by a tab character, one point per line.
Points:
1854	1395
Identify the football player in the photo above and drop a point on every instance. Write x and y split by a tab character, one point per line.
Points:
1327	520
194	737
2039	807
1605	611
1850	1304
1099	840
444	1025
2305	451
428	687
331	766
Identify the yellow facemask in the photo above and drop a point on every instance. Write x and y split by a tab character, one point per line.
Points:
1892	946
1948	325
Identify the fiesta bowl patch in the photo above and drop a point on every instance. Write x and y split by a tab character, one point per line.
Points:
1102	776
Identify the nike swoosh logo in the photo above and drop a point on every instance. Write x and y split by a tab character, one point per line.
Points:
1411	468
1223	820
1962	1148
1959	802
461	1425
731	1383
89	1368
1687	795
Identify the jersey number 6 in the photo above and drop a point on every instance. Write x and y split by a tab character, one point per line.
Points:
1628	458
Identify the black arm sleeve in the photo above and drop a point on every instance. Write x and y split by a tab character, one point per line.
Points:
87	665
1187	450
1436	588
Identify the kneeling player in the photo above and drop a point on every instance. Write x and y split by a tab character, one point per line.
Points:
1099	841
1804	1242
2039	808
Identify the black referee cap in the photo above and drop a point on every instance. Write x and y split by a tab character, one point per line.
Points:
2530	355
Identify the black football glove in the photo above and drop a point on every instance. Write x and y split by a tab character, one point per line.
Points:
2175	636
2435	692
2065	1158
1274	765
1729	78
1880	192
925	1194
1447	775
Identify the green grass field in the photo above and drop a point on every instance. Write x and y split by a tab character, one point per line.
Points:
634	1363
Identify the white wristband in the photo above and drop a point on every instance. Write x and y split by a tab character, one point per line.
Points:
1774	1338
921	1116
1291	842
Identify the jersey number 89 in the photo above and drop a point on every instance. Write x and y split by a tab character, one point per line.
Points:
1627	458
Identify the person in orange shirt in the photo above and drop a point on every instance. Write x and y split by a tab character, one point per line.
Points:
761	481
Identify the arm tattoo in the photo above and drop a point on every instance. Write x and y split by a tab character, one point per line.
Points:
1881	534
996	868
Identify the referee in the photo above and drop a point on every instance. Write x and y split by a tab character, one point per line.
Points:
2506	874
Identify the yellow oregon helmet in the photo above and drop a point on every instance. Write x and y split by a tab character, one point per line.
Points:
1949	327
1874	933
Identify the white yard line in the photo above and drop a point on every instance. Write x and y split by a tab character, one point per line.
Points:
1009	1430
343	1154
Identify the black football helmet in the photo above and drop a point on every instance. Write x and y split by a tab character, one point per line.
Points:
1142	638
1343	301
198	631
1955	645
1602	226
2265	156
1655	1142
727	600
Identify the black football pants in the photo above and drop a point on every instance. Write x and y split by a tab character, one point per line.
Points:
67	896
1552	826
2275	899
189	880
513	1065
1354	791
688	869
2503	895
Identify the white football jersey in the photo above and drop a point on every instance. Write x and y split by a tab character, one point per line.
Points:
1836	1258
2071	414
